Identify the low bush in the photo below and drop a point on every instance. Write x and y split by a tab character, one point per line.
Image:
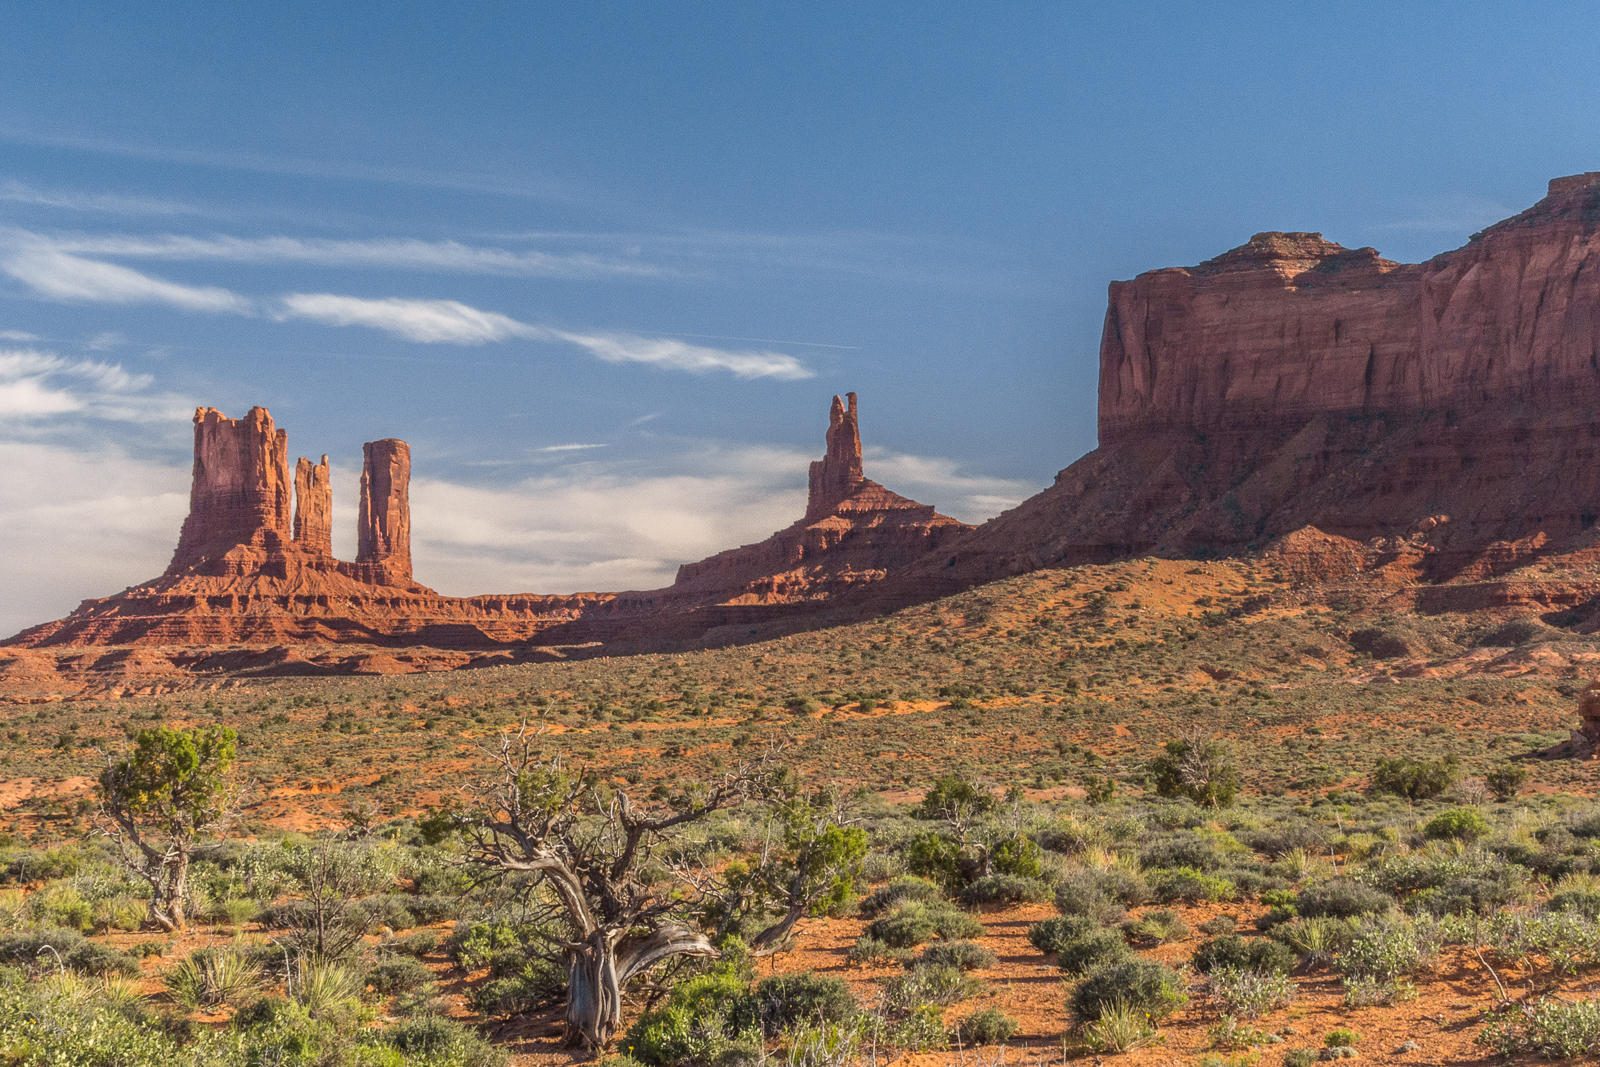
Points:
962	955
869	949
1315	940
1005	889
1156	927
27	949
1100	895
441	1041
1506	781
1551	1029
1230	952
1137	984
1415	779
912	923
398	974
785	999
923	986
991	1026
907	887
1120	1027
532	984
1249	992
213	977
1342	900
706	1020
1189	885
1457	824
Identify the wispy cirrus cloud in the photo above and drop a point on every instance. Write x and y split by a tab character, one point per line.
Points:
452	322
16	192
383	253
423	321
673	354
60	276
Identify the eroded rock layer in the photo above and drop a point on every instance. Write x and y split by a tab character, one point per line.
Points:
1293	383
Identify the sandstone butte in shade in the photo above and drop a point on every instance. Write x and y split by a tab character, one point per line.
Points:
1292	383
239	577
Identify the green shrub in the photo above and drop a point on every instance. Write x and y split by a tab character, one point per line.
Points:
962	955
1315	940
1140	985
1506	781
936	857
1458	824
954	796
1300	1057
1250	992
1199	769
1341	1038
923	986
1188	884
913	923
398	974
62	905
991	1026
1550	1029
706	1020
437	1040
1415	779
1005	889
785	999
1120	1027
905	887
1341	899
1156	926
1017	857
212	977
1230	952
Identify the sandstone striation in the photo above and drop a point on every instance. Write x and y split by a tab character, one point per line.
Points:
313	507
1292	383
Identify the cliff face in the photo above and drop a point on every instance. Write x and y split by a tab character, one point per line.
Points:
1292	383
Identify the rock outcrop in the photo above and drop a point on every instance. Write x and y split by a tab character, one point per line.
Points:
239	496
854	533
313	507
240	578
383	531
1292	383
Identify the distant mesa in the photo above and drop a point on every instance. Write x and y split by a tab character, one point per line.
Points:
245	573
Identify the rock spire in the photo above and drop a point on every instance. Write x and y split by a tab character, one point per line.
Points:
838	474
383	533
240	492
313	507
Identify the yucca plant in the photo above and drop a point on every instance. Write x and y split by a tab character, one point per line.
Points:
210	978
1120	1028
324	988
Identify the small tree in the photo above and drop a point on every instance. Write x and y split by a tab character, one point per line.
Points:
1506	781
160	803
614	912
1198	767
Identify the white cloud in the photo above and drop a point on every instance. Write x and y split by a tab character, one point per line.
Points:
388	253
18	193
72	278
940	482
37	384
75	525
425	321
17	335
673	354
566	448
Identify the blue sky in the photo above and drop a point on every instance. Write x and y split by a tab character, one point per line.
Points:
604	265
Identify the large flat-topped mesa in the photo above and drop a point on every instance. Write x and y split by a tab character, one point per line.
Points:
1292	383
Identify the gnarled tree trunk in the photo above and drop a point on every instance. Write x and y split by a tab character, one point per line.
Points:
597	970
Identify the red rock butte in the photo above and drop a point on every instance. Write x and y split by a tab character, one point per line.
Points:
244	574
1293	383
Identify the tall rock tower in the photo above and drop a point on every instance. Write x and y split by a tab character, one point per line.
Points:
313	507
383	531
240	492
838	474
